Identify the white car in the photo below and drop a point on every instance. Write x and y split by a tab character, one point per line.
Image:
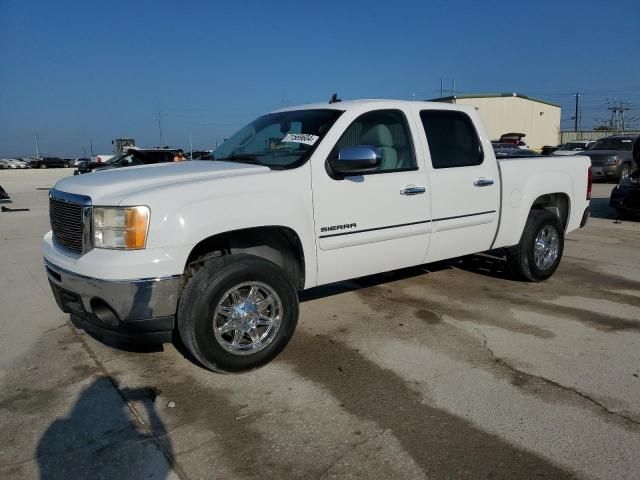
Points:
574	147
12	163
304	196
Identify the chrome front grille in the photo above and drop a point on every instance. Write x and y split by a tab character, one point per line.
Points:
70	220
599	160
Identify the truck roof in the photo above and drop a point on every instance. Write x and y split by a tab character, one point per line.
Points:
369	102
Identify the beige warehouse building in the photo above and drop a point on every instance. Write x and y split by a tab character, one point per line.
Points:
512	112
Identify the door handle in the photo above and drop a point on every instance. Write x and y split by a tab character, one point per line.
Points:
412	190
483	182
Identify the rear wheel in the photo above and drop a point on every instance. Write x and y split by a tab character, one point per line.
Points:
237	313
538	254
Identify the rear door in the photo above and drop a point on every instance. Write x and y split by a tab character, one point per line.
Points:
378	221
465	183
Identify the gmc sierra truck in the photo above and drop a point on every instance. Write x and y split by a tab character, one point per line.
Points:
217	251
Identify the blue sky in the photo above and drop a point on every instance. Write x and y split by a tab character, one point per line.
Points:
75	70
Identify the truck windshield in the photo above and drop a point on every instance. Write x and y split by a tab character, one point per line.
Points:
613	144
280	140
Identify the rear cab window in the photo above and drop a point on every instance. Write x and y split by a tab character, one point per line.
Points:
452	138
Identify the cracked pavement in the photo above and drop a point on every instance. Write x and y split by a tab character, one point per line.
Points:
448	370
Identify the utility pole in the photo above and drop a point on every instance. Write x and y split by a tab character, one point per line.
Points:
91	147
35	138
454	88
441	87
190	147
160	127
575	123
622	110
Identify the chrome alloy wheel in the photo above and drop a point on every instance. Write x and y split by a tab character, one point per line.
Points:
546	246
247	318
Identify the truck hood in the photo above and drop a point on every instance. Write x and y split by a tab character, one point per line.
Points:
119	182
606	153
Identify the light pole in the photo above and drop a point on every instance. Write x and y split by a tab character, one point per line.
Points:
35	138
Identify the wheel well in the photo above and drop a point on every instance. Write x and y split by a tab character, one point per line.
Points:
556	203
280	245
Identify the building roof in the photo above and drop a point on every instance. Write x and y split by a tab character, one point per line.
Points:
493	95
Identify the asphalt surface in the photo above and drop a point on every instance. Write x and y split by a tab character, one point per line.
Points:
444	371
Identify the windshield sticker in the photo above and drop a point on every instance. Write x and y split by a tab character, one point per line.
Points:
305	138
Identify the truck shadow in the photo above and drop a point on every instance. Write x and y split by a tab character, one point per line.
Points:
490	264
99	439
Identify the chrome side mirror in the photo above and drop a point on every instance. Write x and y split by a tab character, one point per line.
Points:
355	160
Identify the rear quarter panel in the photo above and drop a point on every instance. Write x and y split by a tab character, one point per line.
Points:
525	179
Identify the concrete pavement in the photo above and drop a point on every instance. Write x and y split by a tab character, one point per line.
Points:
449	370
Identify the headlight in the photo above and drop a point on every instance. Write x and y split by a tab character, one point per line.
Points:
630	180
612	160
120	227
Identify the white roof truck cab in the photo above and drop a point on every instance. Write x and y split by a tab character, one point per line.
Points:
300	197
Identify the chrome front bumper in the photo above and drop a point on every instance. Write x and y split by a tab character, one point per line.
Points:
141	309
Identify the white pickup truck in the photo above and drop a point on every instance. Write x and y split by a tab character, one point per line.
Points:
217	251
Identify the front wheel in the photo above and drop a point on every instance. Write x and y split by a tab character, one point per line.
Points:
538	254
237	313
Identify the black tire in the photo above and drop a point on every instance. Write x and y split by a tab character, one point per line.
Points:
624	214
521	257
203	293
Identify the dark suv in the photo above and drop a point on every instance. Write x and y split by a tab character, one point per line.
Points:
612	157
625	197
49	162
132	158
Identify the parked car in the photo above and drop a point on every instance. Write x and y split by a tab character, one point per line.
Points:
21	163
78	161
572	148
49	162
300	197
514	138
625	197
133	157
549	149
200	155
504	145
12	163
514	152
612	157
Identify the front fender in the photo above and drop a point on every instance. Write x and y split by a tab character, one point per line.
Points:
183	215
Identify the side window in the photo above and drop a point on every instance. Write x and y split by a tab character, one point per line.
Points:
453	140
386	130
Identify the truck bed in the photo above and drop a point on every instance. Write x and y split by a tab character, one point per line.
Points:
525	179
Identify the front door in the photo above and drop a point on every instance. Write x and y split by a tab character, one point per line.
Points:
378	221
